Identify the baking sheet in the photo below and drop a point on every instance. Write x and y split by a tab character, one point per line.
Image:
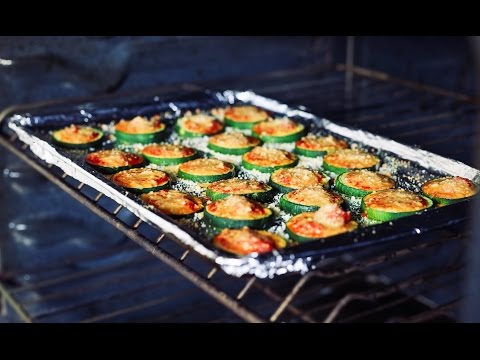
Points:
409	166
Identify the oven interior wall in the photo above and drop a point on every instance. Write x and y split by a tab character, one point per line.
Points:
39	68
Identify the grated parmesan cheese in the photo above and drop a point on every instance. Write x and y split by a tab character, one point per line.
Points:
399	170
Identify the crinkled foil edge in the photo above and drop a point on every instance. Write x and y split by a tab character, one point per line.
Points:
277	264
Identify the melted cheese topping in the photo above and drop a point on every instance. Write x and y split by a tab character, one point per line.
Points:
234	140
313	196
262	156
206	167
238	186
238	208
246	114
367	180
277	127
173	202
297	178
331	215
200	123
306	224
351	159
140	178
140	125
395	201
75	134
168	151
324	143
450	188
113	158
246	241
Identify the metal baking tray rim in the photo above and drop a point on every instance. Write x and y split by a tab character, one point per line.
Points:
276	263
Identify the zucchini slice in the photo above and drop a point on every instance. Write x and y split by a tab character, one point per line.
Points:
314	146
349	159
232	143
246	241
236	212
173	202
140	130
362	182
77	137
113	161
167	154
142	181
278	130
198	125
386	205
206	170
328	221
286	180
449	189
308	199
267	160
253	189
244	117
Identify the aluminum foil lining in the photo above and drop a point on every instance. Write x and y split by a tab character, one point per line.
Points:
274	264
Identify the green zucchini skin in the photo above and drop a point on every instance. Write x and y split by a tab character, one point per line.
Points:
139	162
169	161
445	201
351	191
268	160
230	151
144	138
340	170
98	141
222	222
279	187
229	119
294	208
182	132
244	111
206	178
148	153
295	237
267	169
380	215
282	139
357	158
145	190
309	153
261	196
240	125
185	133
114	170
327	232
329	146
347	190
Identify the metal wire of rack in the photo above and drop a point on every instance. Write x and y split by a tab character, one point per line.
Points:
380	287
